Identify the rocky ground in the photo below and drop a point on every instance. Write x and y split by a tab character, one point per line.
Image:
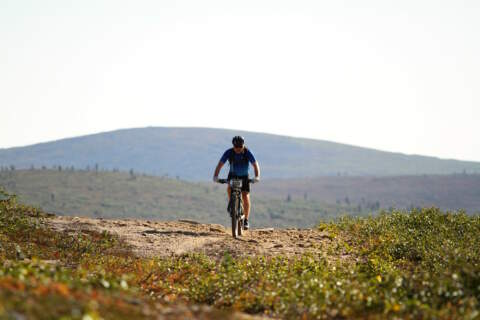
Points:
165	238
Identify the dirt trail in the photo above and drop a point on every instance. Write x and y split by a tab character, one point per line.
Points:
165	238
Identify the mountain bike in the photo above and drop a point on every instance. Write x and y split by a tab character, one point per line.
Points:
235	205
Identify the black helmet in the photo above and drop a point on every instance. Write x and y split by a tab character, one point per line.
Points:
238	141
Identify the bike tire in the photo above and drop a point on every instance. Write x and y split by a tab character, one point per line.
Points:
235	218
240	221
240	227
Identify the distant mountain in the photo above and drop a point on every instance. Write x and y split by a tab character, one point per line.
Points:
192	153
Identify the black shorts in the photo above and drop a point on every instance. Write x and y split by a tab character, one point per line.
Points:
245	182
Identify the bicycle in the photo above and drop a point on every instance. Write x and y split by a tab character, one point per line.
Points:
235	205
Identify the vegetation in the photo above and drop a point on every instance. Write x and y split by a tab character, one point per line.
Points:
277	203
418	264
449	192
120	194
422	264
426	262
46	274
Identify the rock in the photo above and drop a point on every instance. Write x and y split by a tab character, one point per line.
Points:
189	221
217	229
4	197
278	245
253	241
19	253
150	231
16	316
326	236
264	230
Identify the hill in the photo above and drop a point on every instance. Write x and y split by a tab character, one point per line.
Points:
192	154
449	192
276	203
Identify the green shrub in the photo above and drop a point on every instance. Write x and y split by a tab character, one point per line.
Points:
418	264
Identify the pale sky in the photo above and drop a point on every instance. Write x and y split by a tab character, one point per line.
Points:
399	76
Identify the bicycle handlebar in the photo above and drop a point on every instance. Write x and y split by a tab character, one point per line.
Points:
227	180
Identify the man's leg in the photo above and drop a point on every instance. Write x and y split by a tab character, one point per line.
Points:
246	203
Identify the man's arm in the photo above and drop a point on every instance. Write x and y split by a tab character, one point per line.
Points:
256	168
217	170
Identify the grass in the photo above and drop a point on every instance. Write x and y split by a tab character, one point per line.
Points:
119	195
426	262
423	264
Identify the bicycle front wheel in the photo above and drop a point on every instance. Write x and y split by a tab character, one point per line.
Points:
235	218
240	220
240	227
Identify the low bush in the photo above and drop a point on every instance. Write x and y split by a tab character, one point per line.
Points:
419	264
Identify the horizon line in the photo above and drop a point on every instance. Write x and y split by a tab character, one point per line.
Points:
232	129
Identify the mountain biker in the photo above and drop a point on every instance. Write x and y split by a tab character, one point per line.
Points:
239	157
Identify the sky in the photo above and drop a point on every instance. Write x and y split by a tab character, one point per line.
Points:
400	76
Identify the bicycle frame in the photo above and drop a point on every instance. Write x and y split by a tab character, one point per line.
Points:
235	205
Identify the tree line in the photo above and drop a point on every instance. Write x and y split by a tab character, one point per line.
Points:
88	168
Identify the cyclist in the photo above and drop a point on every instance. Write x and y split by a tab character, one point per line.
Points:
239	157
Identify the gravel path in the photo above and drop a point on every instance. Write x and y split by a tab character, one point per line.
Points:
166	238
